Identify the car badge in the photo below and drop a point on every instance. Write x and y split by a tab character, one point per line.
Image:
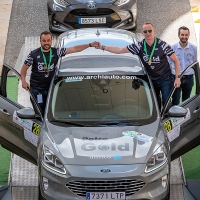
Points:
91	5
105	170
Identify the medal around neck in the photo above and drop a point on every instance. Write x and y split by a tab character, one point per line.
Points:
46	66
149	62
152	52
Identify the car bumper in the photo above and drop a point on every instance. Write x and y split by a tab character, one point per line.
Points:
64	19
58	187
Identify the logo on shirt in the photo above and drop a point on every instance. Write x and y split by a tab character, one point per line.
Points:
40	66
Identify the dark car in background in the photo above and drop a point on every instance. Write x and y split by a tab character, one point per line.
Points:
66	15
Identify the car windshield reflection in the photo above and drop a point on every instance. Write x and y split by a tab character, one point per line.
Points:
102	101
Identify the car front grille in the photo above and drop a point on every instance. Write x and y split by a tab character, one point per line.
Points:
96	12
81	187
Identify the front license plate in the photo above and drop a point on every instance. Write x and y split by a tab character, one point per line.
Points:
105	195
101	20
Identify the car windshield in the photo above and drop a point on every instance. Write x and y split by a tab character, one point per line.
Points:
102	101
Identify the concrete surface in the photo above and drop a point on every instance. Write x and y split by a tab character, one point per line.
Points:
5	10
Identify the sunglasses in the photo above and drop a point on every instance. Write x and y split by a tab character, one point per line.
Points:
145	31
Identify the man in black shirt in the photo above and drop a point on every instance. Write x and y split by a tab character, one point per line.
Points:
153	53
43	61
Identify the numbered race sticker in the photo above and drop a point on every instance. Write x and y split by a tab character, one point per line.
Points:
31	129
105	195
168	126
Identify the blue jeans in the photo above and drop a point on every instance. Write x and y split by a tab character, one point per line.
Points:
163	87
187	82
44	94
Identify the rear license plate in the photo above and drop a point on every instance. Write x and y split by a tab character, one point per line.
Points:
105	195
101	20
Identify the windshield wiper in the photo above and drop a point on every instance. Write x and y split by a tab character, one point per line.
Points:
116	123
68	122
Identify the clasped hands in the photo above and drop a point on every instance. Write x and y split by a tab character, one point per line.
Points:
96	44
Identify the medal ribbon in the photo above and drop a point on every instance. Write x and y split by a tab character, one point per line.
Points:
145	49
45	60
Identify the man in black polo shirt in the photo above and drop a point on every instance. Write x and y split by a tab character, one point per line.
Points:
153	53
43	61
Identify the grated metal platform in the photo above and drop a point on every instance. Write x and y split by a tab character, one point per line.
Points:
24	176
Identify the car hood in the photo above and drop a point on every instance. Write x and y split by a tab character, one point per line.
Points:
104	145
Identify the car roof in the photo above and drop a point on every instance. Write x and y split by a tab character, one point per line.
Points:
93	60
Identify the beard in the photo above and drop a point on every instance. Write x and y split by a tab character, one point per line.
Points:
46	47
183	40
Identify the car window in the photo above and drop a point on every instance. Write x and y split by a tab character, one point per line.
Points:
188	87
12	87
102	100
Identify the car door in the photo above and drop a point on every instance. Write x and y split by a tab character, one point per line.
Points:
17	135
184	132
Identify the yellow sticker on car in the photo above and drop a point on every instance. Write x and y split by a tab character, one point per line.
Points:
36	129
168	126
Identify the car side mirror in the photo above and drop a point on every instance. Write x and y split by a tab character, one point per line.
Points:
26	113
177	111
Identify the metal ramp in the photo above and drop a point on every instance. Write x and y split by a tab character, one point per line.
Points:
24	175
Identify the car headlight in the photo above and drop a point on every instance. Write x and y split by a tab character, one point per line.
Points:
62	3
52	162
157	159
121	2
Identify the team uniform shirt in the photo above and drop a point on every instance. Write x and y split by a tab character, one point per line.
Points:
41	78
186	56
159	66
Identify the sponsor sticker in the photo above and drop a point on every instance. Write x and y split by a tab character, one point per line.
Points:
31	129
115	157
118	146
174	133
138	136
172	126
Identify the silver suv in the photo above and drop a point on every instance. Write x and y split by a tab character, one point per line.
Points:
103	135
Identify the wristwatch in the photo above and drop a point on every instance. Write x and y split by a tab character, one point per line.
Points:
178	76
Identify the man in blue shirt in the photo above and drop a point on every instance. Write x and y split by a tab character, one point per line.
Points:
187	54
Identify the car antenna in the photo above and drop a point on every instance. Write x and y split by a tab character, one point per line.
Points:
98	33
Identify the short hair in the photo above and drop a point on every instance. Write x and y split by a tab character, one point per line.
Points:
183	28
45	33
147	23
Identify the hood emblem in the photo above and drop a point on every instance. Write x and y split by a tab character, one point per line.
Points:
91	5
105	170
